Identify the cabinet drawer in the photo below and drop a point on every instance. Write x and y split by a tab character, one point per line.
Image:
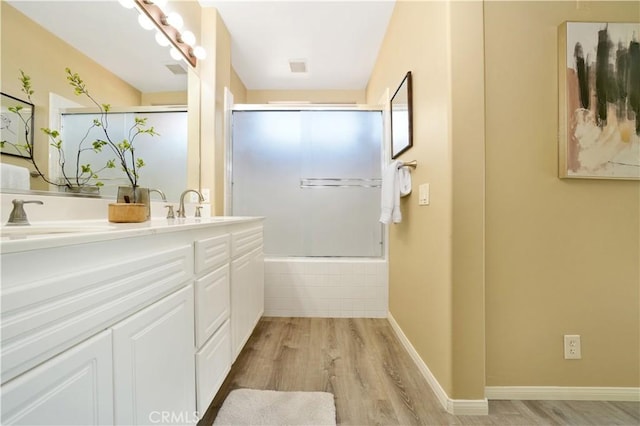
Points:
50	315
212	303
213	362
211	253
244	241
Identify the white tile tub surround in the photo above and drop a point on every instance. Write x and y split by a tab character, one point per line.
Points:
326	287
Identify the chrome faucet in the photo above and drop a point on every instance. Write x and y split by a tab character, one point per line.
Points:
164	197
18	216
181	211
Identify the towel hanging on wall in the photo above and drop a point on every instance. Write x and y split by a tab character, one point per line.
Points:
396	183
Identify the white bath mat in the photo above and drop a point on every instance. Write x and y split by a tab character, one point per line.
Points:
273	408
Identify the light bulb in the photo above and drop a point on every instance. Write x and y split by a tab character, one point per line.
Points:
145	22
188	38
175	20
127	4
160	3
199	52
161	39
175	53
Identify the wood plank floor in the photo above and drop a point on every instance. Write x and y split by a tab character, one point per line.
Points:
374	380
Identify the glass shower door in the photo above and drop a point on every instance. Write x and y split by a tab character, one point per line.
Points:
314	175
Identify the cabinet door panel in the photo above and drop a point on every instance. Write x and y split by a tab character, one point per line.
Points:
247	297
213	362
74	388
212	303
153	358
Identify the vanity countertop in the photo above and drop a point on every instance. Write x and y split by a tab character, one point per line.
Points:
41	235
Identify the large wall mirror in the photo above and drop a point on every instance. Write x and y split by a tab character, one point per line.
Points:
402	117
122	65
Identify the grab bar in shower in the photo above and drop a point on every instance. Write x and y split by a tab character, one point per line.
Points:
340	183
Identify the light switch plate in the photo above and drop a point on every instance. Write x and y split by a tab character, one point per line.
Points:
423	194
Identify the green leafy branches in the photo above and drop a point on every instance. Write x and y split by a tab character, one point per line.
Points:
84	173
124	150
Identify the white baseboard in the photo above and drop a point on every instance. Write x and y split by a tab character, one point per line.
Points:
476	407
562	393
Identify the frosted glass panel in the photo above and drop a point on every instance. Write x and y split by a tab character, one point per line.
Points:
314	176
165	155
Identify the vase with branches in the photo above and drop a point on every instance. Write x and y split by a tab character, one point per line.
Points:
124	150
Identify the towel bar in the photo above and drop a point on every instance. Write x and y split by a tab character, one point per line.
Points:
339	183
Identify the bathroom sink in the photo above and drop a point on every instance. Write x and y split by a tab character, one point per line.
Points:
46	229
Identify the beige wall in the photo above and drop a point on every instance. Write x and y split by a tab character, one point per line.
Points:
312	96
562	255
552	256
207	72
223	79
468	198
44	58
238	89
420	290
164	98
216	73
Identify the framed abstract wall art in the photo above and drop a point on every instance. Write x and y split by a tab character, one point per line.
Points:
599	100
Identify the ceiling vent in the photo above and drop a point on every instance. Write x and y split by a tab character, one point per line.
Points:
298	65
176	68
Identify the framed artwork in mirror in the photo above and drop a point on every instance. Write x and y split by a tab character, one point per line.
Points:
402	117
16	126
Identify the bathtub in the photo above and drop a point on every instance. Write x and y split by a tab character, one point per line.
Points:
326	287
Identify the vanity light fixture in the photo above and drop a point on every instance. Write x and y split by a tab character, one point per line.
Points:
161	39
160	3
199	52
169	26
145	22
175	20
175	53
188	37
127	4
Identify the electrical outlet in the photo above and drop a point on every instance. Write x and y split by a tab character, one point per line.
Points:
572	349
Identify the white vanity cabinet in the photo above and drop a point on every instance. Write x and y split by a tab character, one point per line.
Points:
131	326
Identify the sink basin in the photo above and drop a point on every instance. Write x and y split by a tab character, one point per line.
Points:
42	229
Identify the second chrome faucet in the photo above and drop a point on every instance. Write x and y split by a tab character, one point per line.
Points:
181	210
